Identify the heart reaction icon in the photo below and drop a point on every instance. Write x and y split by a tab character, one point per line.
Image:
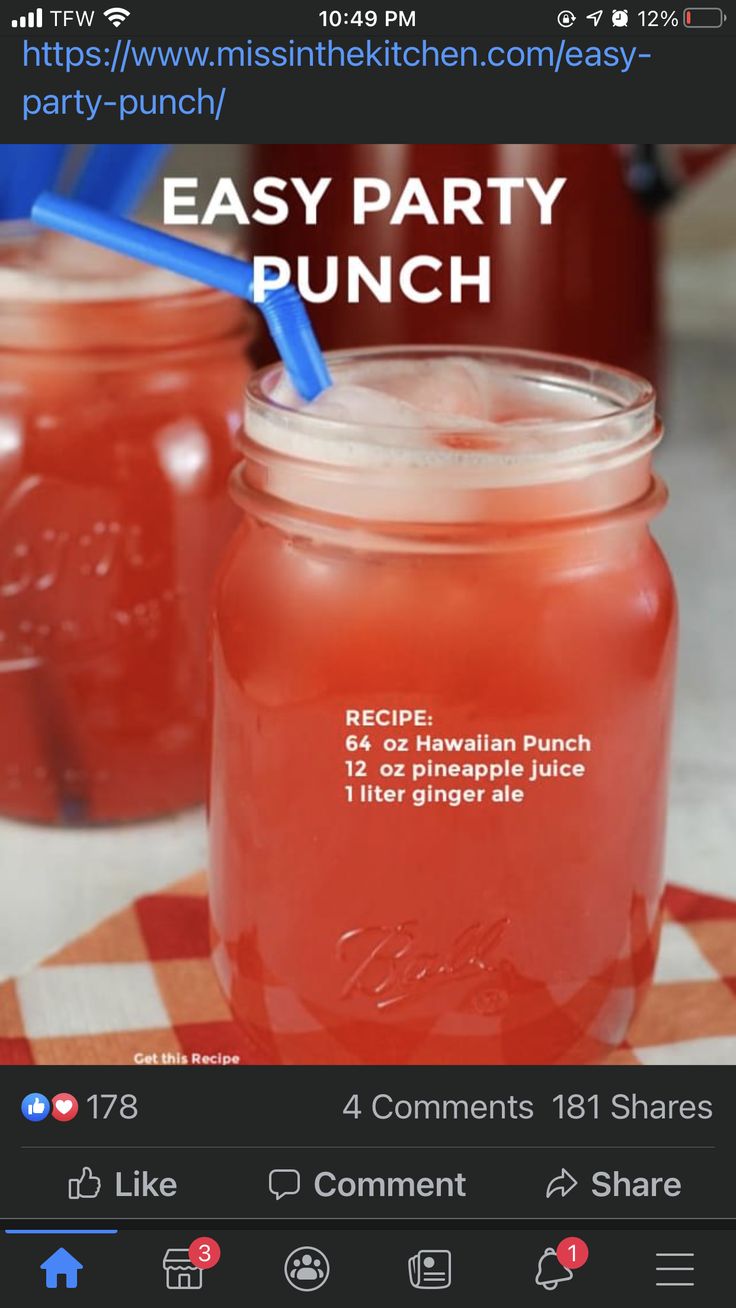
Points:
64	1107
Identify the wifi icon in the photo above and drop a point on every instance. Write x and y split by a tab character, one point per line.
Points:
117	15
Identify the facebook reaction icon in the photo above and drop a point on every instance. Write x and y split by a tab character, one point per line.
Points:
35	1108
61	1267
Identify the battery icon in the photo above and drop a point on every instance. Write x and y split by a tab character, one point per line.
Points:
703	17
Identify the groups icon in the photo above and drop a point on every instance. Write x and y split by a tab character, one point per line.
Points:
306	1268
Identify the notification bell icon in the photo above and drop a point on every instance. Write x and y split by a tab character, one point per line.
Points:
550	1272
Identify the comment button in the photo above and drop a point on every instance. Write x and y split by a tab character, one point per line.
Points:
284	1181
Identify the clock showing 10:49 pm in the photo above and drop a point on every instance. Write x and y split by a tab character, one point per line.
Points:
367	18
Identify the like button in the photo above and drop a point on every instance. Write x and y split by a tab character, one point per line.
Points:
86	1186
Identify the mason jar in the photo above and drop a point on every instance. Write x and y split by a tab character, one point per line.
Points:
120	407
444	643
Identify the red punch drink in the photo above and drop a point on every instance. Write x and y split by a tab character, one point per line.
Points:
120	403
443	664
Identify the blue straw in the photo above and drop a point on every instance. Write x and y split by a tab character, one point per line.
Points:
283	308
25	171
116	177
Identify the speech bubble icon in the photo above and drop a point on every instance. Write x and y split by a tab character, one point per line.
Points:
283	1181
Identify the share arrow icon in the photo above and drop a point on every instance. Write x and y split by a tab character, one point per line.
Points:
563	1185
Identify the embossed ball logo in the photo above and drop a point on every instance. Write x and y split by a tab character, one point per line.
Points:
391	965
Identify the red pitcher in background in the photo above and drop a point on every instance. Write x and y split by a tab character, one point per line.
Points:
586	284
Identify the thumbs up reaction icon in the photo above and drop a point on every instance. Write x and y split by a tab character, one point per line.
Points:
550	1272
86	1186
35	1108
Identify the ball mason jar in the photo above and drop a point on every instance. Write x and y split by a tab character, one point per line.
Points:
442	688
120	405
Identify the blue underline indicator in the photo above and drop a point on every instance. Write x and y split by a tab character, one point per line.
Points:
58	1230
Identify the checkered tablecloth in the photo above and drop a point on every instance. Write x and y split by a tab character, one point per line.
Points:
141	983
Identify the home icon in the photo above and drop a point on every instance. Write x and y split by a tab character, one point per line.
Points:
181	1272
61	1266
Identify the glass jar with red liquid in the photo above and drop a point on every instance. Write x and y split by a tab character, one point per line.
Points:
120	404
443	663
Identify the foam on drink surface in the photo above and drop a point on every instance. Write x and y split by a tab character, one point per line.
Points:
449	409
46	267
432	435
63	294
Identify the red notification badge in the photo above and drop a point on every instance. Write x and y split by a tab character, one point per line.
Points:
572	1252
204	1252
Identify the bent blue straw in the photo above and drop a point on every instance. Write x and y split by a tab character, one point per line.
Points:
283	308
26	171
116	177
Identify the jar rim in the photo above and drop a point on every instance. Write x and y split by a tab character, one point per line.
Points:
87	290
631	399
438	471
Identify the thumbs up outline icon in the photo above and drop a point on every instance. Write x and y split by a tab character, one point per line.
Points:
86	1186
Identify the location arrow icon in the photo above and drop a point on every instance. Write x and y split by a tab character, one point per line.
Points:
563	1185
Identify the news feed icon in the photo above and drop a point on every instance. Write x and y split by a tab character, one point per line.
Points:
431	1269
34	18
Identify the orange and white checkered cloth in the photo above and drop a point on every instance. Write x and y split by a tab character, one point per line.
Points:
141	983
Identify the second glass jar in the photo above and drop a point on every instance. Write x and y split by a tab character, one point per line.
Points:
120	408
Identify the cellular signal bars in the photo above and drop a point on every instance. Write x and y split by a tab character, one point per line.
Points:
34	18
